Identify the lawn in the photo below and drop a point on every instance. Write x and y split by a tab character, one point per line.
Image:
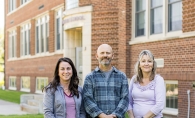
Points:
11	96
23	116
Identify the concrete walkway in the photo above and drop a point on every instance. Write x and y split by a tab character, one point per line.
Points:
9	108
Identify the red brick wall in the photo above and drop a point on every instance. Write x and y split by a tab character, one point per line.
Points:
188	15
20	16
18	42
36	67
51	31
110	22
41	66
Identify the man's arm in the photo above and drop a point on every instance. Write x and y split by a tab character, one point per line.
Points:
124	101
88	98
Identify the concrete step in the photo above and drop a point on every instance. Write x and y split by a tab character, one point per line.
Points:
29	109
33	103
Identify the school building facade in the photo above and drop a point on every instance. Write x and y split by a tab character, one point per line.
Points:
39	32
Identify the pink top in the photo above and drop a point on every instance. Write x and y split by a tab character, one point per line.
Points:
70	106
147	98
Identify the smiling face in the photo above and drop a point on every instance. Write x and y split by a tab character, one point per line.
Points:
65	71
146	64
104	54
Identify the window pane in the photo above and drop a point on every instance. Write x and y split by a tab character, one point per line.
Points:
41	82
42	39
26	83
140	5
25	43
155	3
175	16
140	23
47	36
171	95
156	20
37	37
58	33
71	4
29	41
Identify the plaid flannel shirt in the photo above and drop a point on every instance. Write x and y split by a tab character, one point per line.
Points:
109	97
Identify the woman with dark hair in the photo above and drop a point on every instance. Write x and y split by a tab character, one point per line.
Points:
146	89
62	96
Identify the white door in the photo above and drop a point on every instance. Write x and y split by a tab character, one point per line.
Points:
79	64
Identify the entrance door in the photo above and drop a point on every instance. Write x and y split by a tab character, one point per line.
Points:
79	64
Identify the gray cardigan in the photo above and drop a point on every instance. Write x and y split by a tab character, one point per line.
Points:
54	104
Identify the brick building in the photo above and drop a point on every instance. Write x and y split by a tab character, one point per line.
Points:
38	33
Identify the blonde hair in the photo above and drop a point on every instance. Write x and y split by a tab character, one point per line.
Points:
138	71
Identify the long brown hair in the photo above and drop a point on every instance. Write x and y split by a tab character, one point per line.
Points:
74	81
138	71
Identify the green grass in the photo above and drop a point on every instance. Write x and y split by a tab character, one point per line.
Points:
11	96
23	116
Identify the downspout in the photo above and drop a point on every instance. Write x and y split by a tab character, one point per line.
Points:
188	92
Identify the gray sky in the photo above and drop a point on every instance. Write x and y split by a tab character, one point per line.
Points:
1	13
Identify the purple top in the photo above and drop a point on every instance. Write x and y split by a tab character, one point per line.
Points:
70	106
150	97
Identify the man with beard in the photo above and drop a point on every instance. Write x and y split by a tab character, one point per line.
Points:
105	90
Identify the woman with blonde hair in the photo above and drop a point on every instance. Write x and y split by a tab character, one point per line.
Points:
146	89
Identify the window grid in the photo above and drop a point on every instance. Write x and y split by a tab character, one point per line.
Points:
12	82
171	94
59	30
140	17
71	4
25	83
41	82
175	16
25	39
12	44
156	21
42	34
143	11
12	5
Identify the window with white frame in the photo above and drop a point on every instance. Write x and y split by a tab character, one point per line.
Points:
12	5
25	40
25	83
12	82
175	15
42	34
156	16
152	16
140	17
41	82
24	1
12	44
71	4
59	43
171	94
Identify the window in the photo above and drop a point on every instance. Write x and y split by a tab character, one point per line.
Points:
59	31
40	83
25	84
12	5
172	94
42	34
23	1
156	17
71	4
12	83
175	15
140	17
25	39
12	44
